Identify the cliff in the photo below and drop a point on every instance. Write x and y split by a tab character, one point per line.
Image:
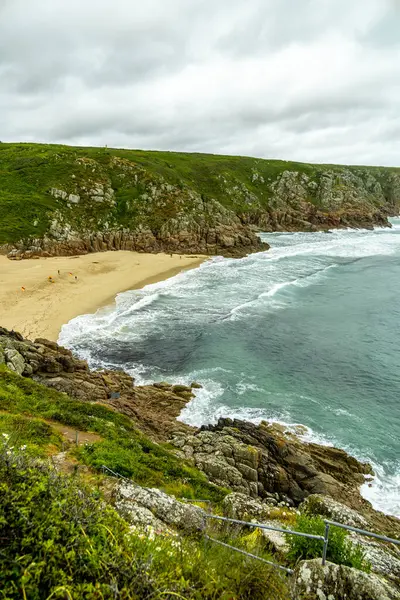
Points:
60	200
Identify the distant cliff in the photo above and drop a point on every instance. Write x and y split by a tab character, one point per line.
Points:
60	200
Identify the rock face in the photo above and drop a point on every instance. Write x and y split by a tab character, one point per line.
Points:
145	506
104	200
262	460
312	581
331	198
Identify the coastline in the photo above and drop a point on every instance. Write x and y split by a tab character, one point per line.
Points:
37	306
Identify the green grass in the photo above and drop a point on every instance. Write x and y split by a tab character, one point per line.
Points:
35	434
340	550
29	171
59	540
123	448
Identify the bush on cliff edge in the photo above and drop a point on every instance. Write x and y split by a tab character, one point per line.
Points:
59	540
340	550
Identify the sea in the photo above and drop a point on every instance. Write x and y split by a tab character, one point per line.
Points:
305	333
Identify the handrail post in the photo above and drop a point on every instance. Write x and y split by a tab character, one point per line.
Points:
326	538
205	534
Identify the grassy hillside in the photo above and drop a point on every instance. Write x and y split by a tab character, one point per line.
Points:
31	415
150	188
60	539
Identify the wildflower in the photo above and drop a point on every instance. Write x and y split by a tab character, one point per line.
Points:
23	447
5	436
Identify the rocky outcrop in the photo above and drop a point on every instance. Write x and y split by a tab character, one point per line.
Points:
327	507
262	460
151	507
326	198
154	408
89	202
234	240
312	581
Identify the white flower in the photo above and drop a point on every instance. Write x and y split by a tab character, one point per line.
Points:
23	447
5	436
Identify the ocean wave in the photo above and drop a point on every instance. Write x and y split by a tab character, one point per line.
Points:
152	333
383	490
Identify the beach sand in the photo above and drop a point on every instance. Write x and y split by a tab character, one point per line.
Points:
79	285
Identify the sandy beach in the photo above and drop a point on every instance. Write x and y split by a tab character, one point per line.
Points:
37	297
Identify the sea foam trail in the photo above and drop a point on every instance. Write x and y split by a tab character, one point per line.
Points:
219	324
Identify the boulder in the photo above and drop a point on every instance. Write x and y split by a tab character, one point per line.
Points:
276	540
14	360
325	506
384	558
131	500
240	506
312	581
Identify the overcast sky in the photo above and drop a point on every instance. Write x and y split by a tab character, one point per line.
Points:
311	80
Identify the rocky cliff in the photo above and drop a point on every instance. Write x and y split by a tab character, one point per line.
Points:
63	200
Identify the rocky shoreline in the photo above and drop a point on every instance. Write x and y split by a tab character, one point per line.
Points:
231	240
260	461
267	474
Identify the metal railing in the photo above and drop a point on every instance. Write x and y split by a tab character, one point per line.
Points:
324	538
258	526
329	524
106	469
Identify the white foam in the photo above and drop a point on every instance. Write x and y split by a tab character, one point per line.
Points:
231	289
383	491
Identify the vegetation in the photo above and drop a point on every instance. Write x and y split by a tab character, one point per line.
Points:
29	410
61	541
28	172
340	550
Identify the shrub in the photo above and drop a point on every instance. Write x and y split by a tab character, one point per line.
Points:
59	540
340	550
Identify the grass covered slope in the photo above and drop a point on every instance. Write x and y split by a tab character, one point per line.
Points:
176	201
31	414
60	540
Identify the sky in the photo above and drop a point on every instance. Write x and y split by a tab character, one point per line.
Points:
307	80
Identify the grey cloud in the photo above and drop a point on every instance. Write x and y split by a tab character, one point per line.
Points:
305	81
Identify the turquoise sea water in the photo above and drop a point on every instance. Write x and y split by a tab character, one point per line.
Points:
308	332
